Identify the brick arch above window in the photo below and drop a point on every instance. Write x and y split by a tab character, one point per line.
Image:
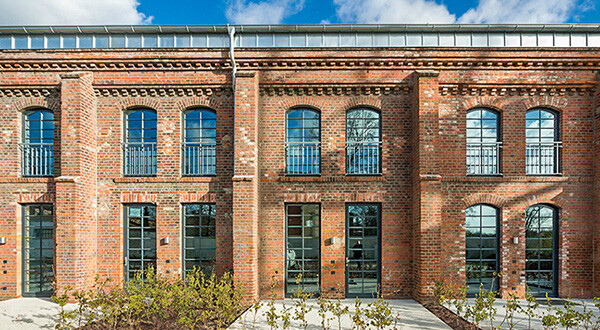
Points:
31	103
488	199
363	101
138	102
199	102
557	104
485	101
300	102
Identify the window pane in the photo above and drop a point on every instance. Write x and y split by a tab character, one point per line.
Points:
141	238
481	245
199	238
302	246
539	250
303	135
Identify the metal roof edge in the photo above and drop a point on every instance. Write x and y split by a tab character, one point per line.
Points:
161	29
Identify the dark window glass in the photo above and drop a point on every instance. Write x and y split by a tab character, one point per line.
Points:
303	142
482	264
38	250
199	250
540	250
140	243
483	142
543	145
140	143
38	143
199	142
363	141
303	247
363	250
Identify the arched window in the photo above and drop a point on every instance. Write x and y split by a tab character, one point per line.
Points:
140	142
543	144
199	142
38	143
483	142
303	142
482	256
541	224
363	141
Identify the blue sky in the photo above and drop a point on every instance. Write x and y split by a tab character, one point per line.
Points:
106	12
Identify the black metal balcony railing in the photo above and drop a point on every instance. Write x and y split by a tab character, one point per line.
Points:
37	159
303	158
199	158
543	158
484	158
139	159
363	157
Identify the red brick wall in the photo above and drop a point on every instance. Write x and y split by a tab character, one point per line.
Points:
423	190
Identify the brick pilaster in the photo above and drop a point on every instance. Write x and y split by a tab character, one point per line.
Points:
596	187
76	218
426	184
245	185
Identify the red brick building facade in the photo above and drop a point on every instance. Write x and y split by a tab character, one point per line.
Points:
420	186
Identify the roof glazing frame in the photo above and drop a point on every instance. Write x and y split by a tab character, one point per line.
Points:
300	36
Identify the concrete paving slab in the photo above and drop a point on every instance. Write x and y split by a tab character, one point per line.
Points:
413	316
28	313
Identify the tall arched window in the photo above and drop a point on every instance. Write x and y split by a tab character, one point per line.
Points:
483	142
140	142
38	143
482	257
363	141
543	144
541	225
199	142
303	142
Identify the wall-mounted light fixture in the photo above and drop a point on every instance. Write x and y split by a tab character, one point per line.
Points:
2	240
515	240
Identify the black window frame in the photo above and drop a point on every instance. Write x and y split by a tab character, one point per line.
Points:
184	227
285	256
379	244
184	143
557	149
24	214
555	249
481	143
495	277
318	144
127	143
26	144
126	236
379	141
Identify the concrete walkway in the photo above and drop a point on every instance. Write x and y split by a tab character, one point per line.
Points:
521	321
412	314
28	313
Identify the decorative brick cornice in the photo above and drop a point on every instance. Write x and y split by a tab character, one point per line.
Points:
335	89
314	63
529	89
29	91
162	91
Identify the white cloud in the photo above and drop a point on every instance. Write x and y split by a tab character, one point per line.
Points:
392	11
263	12
486	11
520	11
71	12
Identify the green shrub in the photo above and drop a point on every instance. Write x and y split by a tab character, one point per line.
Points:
151	300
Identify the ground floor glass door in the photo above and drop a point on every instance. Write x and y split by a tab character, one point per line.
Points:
38	250
363	257
140	243
302	248
540	250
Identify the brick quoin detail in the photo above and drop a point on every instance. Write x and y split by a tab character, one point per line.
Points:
423	189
